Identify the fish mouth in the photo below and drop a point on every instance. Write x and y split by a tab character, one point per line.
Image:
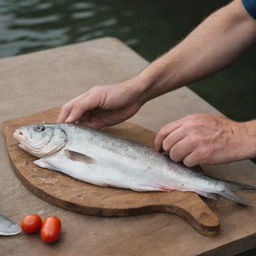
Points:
18	135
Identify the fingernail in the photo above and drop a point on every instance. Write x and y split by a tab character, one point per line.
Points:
69	119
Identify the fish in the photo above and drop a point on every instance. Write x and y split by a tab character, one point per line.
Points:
96	157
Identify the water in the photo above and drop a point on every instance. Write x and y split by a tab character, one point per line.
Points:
32	25
150	27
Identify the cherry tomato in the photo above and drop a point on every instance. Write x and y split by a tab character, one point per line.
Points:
31	223
51	229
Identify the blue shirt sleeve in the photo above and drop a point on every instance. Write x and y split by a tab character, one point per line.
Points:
250	6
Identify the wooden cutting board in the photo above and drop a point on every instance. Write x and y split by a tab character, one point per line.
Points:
74	195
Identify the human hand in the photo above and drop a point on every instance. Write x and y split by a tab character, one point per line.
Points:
206	139
102	106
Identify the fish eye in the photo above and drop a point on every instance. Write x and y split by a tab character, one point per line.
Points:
38	128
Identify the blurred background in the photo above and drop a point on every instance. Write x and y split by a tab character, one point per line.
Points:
150	27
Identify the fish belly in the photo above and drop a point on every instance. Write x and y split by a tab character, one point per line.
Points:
111	173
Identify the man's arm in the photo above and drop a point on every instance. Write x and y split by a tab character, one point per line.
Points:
213	45
216	43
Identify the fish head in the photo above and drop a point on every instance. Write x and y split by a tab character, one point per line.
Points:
41	139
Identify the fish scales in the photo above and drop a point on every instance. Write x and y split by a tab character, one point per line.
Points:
99	158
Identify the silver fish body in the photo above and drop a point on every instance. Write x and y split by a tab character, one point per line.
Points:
98	158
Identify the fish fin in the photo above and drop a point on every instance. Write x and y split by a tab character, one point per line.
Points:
166	188
230	195
231	186
235	186
79	157
208	195
44	164
146	187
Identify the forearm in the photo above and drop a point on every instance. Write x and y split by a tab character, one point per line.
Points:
214	44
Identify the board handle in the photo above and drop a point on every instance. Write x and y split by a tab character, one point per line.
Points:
187	205
197	213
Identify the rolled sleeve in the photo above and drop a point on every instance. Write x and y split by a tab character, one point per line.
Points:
250	7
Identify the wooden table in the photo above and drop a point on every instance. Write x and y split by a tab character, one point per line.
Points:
42	80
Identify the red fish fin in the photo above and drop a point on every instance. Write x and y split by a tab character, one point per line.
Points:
166	188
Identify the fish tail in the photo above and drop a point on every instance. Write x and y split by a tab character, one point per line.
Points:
232	196
231	186
235	186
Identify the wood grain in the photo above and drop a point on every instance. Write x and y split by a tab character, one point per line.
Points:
82	197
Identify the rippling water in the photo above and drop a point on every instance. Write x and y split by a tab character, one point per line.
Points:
30	25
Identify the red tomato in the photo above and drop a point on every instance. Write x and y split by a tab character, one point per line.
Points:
51	229
31	223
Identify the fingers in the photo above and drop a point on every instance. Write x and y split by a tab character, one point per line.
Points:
65	110
175	143
181	142
173	138
163	133
192	159
64	113
200	139
78	107
181	150
76	112
109	97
